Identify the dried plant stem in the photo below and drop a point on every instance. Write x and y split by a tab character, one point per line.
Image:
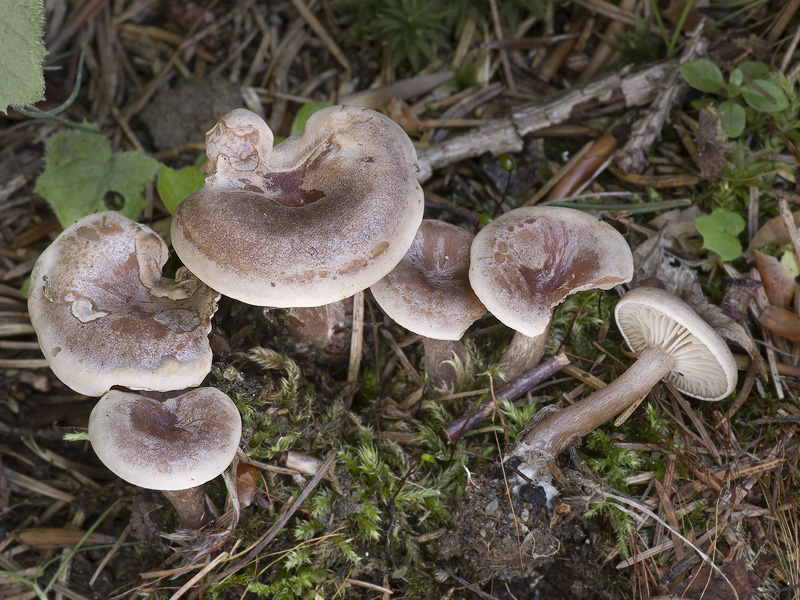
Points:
530	379
506	134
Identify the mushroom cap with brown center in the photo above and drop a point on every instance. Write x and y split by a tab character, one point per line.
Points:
172	445
705	368
428	292
525	262
105	316
322	215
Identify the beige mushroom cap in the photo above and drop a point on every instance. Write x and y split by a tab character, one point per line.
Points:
428	292
105	316
705	367
319	217
525	262
172	445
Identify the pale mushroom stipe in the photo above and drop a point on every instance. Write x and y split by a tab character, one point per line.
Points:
527	261
105	316
322	215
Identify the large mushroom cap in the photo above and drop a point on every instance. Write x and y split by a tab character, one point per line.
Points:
105	316
705	367
428	292
525	262
320	216
172	445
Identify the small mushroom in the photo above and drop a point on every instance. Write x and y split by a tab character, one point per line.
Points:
672	343
428	293
319	217
105	316
174	446
527	261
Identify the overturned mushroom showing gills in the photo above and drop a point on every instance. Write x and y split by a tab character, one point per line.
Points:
527	261
672	343
319	217
429	293
174	446
105	316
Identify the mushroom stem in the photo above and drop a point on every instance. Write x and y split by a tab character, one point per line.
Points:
554	434
523	353
437	354
190	505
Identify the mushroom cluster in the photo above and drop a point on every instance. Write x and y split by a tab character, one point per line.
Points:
105	317
323	215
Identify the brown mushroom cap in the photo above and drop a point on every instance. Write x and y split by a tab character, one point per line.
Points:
428	292
525	262
105	316
705	367
172	445
320	216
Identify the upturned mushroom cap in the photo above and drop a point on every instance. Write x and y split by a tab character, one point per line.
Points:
319	217
525	262
172	445
705	368
428	292
105	316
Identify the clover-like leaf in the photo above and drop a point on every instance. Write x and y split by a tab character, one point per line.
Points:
720	231
703	75
756	98
81	177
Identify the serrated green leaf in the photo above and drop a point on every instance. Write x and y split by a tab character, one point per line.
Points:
734	118
80	173
175	185
720	231
760	102
308	109
21	30
703	75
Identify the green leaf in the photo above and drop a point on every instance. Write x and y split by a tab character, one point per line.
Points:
734	118
308	109
175	185
753	69
737	77
81	177
720	231
23	51
760	102
703	75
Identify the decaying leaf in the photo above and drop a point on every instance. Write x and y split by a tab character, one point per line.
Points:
710	585
779	285
781	322
728	328
774	232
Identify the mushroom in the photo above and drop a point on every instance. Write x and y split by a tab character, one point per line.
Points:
104	316
428	293
322	215
525	262
672	343
174	446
